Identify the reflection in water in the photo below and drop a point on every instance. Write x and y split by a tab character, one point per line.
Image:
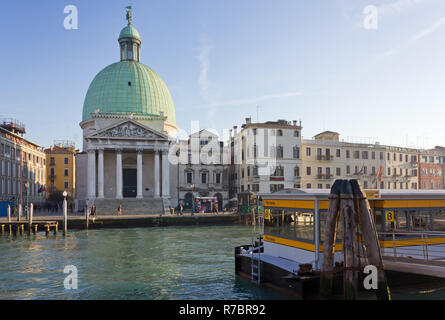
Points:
140	263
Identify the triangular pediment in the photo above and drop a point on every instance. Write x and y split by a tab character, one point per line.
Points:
128	129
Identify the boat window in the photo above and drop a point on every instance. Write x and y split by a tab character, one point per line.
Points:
400	223
378	219
439	220
420	220
290	224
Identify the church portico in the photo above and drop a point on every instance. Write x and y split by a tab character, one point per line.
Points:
127	160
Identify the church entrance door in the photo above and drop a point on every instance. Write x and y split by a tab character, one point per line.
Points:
130	183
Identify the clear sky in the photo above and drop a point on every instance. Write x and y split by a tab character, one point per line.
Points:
306	60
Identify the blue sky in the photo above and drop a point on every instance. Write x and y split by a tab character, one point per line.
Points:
305	60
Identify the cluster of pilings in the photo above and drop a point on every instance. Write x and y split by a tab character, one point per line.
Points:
18	226
359	234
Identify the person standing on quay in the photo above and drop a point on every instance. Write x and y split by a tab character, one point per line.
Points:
119	210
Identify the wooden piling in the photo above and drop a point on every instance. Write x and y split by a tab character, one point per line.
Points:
87	218
19	212
9	213
330	237
3	228
370	239
47	230
31	212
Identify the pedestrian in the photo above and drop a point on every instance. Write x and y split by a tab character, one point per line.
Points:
119	210
181	208
215	208
93	210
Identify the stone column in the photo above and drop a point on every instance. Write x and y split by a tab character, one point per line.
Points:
165	175
139	175
91	174
100	174
156	175
119	174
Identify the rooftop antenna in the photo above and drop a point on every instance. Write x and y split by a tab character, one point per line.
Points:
257	114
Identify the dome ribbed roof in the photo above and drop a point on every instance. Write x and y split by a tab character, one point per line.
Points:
129	87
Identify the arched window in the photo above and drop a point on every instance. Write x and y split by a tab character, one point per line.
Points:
280	151
296	152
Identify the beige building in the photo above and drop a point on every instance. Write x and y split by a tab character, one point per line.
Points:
22	165
325	159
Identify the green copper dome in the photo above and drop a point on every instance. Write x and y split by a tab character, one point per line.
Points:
129	87
129	32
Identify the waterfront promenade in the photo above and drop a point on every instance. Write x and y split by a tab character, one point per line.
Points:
78	220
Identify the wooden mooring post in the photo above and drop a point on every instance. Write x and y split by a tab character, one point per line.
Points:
348	199
87	218
31	212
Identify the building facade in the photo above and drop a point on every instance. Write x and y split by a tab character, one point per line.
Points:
22	165
204	170
61	168
431	166
265	157
326	159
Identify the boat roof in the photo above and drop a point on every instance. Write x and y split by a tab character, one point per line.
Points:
324	194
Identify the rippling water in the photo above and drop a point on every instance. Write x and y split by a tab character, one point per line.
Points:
141	263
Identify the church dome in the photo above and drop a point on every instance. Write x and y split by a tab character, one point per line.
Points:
129	32
128	86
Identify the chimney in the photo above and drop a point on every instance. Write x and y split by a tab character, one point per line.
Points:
248	120
235	130
294	122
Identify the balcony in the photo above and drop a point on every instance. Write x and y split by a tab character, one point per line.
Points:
53	177
323	157
323	176
52	164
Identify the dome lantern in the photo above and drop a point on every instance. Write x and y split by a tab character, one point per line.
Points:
129	40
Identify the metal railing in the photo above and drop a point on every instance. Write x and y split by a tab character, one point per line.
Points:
421	245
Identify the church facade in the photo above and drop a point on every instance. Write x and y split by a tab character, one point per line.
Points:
128	123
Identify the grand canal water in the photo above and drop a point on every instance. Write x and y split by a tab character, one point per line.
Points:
141	263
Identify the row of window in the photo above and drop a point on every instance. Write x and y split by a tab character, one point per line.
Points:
276	132
275	152
362	170
14	153
390	185
52	160
204	177
65	172
12	169
356	154
431	172
11	187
